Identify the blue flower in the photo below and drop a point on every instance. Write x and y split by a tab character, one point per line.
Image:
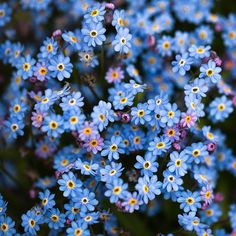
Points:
14	127
121	42
49	48
73	119
73	101
72	39
110	172
122	100
116	189
132	202
7	226
60	67
47	199
148	164
25	67
5	13
78	228
18	109
171	181
46	101
159	145
165	45
171	114
199	52
94	34
197	152
189	201
140	114
210	71
55	219
182	64
86	168
85	201
220	108
148	187
30	222
118	19
190	221
102	114
178	163
198	88
95	13
69	185
113	148
53	125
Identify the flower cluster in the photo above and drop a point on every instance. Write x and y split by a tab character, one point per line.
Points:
124	113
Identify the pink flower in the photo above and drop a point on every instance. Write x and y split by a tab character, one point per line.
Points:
188	119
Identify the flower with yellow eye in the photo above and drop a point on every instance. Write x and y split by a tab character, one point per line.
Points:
207	194
95	13
14	127
148	187
118	19
86	168
102	114
188	119
60	67
113	148
53	125
197	152
189	201
46	101
47	199
178	163
69	184
132	201
25	67
121	43
49	48
140	114
159	145
171	114
73	40
148	164
5	13
41	71
116	189
220	108
210	71
199	52
94	34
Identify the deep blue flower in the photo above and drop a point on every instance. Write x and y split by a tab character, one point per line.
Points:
60	67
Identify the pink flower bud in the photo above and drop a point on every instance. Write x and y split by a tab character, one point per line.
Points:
219	197
56	33
183	133
234	100
218	61
177	146
218	27
211	147
58	174
33	79
125	118
151	41
32	193
110	6
68	221
204	205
